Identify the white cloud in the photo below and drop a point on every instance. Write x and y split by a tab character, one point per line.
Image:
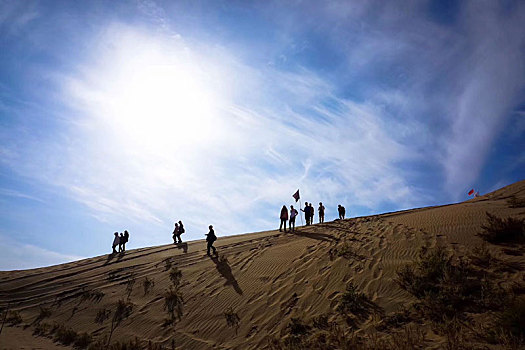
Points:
16	255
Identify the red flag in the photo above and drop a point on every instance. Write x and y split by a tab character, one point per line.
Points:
296	195
470	192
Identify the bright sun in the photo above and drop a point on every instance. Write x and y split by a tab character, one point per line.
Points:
162	106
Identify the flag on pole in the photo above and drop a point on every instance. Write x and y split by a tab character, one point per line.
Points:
296	196
470	192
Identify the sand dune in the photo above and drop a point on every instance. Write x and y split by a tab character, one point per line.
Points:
266	278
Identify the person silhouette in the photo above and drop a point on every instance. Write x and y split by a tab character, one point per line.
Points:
293	215
306	212
125	240
284	218
341	211
116	242
210	238
321	212
176	233
181	230
120	242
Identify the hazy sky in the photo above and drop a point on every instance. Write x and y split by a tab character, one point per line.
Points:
130	115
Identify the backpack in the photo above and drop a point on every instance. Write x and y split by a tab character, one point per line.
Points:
181	229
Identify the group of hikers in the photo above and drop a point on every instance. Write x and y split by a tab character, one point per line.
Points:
309	212
120	241
123	238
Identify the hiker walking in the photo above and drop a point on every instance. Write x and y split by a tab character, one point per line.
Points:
176	233
341	211
181	230
116	242
125	240
120	242
293	215
284	218
210	238
321	212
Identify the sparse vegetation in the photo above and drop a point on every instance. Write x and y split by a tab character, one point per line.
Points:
175	276
515	202
102	315
353	301
232	319
511	320
447	288
122	311
498	230
63	335
94	295
167	264
13	318
148	285
173	304
129	284
43	314
481	256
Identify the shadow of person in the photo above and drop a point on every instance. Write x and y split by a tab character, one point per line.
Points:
315	235
225	270
183	246
109	258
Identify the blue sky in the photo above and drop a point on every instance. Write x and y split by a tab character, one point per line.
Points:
134	114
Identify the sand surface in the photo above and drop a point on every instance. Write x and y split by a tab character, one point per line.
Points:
266	278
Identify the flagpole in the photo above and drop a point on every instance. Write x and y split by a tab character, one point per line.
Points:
300	211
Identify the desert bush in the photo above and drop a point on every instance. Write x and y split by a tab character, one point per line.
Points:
129	284
123	310
13	318
232	319
147	284
512	319
447	288
515	202
125	345
83	340
353	301
102	315
346	251
41	329
481	256
173	304
321	321
167	264
65	335
175	276
498	230
94	295
43	314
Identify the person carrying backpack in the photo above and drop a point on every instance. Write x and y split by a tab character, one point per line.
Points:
210	238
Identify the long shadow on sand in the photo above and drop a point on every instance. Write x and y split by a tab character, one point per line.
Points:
314	235
225	270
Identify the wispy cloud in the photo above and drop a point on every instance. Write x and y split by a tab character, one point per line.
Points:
16	256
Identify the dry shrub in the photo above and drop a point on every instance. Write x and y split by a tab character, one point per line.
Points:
129	284
232	319
173	304
102	315
175	276
515	202
148	285
41	329
94	295
498	230
353	301
447	288
13	318
481	256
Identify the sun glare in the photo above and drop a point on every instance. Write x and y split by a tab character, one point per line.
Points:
162	107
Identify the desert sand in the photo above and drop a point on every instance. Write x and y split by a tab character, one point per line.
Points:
264	278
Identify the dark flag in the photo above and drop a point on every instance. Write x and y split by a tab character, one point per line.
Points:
296	195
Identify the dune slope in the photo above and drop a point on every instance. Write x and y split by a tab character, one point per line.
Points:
265	278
